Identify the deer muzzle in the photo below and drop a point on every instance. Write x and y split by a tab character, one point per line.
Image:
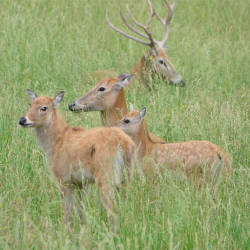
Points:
25	122
180	83
75	107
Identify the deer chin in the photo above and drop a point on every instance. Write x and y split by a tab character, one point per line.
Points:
180	83
25	122
28	125
78	108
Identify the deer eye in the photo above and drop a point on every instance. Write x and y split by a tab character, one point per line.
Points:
44	108
126	121
101	89
162	62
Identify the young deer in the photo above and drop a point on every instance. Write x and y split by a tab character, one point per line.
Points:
108	97
80	156
199	157
155	61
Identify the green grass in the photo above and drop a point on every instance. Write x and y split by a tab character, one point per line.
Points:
53	45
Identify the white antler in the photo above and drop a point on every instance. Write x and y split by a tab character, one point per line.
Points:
148	35
124	33
167	22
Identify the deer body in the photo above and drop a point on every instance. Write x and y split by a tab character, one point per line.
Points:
191	156
80	156
108	97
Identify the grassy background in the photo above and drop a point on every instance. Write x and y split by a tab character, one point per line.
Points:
53	45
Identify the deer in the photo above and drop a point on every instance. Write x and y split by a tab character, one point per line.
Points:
201	159
108	97
155	62
80	156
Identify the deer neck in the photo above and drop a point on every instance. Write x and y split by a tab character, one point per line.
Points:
143	140
110	116
144	64
51	134
139	67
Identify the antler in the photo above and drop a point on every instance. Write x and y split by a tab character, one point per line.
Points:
148	35
152	42
167	22
122	32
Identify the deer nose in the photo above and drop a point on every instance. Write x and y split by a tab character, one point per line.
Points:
22	121
182	83
71	106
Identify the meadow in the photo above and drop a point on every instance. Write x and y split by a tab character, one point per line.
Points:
49	46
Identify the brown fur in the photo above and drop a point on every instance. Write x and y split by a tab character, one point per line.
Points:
80	156
191	156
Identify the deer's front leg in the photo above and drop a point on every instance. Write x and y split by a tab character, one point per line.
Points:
108	199
68	196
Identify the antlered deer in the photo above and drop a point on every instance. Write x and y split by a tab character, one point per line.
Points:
80	156
155	61
108	97
199	157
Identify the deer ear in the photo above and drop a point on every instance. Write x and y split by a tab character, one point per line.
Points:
142	113
131	107
57	100
165	48
154	52
124	80
31	94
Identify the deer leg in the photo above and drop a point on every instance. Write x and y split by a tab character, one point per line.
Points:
79	202
108	199
68	196
72	204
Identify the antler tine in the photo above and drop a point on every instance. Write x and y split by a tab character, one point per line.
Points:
145	28
160	18
133	18
168	21
125	34
152	13
131	27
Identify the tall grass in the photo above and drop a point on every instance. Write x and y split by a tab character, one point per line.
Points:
53	45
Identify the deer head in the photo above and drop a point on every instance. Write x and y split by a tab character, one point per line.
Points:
103	96
41	110
156	60
132	124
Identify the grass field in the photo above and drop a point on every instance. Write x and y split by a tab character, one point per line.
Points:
50	46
